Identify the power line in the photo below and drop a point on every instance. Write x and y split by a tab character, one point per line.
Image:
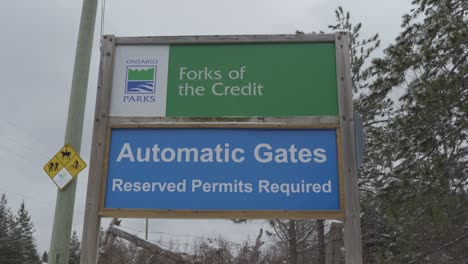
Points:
26	132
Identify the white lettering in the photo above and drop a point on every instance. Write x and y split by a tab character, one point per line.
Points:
196	184
164	156
126	152
267	157
236	158
187	152
305	155
117	183
320	155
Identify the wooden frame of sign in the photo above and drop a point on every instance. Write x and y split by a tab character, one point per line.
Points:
223	214
344	125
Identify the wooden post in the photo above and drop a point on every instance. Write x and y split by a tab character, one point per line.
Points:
352	229
292	242
321	240
92	222
335	237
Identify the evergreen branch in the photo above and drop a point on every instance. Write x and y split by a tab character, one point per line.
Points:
455	66
430	252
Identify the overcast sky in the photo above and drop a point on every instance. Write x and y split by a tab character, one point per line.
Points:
38	41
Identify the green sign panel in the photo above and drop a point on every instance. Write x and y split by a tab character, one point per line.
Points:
252	80
222	80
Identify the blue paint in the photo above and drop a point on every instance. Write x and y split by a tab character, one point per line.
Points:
126	177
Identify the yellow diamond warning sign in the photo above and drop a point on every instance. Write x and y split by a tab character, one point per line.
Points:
65	165
65	154
75	165
53	167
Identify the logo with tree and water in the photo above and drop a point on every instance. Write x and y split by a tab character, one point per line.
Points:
141	80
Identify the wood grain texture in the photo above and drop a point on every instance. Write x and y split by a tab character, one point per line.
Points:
91	226
228	125
299	120
225	39
219	214
352	231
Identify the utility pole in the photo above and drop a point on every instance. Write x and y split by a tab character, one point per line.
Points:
59	245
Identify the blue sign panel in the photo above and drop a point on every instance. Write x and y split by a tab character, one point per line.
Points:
223	169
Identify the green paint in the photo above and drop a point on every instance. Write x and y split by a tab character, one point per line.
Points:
140	74
297	79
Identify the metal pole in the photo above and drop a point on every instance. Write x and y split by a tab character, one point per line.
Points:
146	229
61	232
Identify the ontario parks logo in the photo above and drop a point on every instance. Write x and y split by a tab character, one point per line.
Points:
140	81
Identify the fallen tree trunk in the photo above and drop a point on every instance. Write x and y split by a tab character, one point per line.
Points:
107	241
157	250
